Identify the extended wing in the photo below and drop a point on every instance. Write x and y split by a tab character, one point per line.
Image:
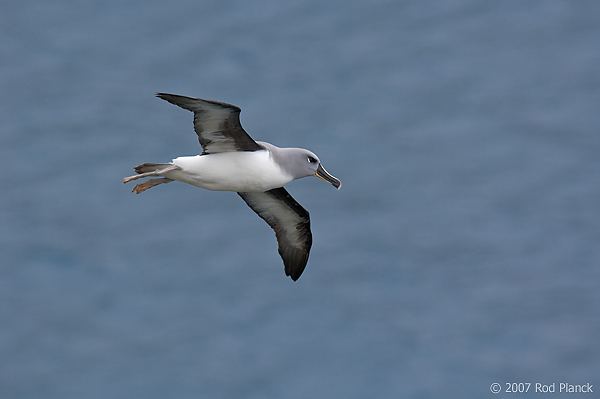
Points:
291	223
217	124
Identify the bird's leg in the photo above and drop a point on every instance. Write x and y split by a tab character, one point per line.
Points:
157	172
141	187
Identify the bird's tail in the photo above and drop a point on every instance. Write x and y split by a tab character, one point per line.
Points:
151	167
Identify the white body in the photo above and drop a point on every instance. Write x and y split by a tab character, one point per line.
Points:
242	171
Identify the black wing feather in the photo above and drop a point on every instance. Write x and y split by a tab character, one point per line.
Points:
217	124
291	223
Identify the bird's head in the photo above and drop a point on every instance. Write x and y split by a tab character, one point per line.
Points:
307	163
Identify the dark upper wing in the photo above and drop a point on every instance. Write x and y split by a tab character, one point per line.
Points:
217	124
291	223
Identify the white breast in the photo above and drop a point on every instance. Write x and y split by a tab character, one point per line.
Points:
243	171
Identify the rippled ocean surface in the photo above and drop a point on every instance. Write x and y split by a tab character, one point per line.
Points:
462	250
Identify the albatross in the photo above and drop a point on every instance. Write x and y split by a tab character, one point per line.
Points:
232	161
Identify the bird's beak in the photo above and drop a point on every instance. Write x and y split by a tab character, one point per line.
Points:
323	174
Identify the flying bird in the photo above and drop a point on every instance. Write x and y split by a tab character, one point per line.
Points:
232	161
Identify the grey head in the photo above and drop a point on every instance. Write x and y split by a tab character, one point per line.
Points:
299	163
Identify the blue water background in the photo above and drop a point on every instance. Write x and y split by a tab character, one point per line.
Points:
463	248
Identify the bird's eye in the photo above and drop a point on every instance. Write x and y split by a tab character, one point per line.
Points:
311	160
